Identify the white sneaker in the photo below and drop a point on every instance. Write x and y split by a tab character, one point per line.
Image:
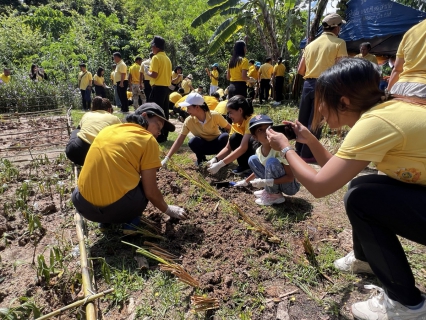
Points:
351	264
259	193
381	307
268	199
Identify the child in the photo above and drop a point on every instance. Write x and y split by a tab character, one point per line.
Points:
270	169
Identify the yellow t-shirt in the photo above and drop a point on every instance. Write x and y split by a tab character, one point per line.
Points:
134	72
265	71
141	70
4	78
175	97
119	69
392	135
211	102
186	85
129	95
162	65
221	107
179	101
111	76
214	73
209	130
236	72
272	154
279	70
322	53
252	73
411	49
115	161
179	78
93	122
84	79
369	57
98	79
242	128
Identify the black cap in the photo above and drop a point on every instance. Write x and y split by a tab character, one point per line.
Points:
260	119
155	109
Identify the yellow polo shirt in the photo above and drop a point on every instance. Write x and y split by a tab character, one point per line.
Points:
119	69
134	71
279	70
211	102
322	53
98	79
242	128
236	72
369	57
111	76
141	70
392	136
115	161
174	97
161	64
215	73
5	79
93	122
209	130
179	101
186	85
179	78
221	107
84	79
265	71
411	49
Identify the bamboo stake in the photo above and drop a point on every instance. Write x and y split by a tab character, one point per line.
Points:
75	304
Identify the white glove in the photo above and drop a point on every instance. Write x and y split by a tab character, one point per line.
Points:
215	167
211	162
164	161
176	212
241	183
261	183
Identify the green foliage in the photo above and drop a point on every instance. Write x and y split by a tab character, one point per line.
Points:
49	22
23	311
55	266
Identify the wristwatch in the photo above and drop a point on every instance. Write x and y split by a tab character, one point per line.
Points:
285	150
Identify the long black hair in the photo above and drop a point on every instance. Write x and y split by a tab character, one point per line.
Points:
238	54
237	102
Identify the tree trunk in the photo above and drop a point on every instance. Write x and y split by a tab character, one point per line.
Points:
322	4
269	24
262	37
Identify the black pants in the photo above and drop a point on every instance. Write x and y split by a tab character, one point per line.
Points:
235	142
122	94
237	88
265	86
202	147
85	103
250	92
147	89
380	208
306	114
279	83
160	95
100	91
76	149
130	206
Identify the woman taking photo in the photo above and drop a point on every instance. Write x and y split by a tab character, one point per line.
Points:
99	82
380	207
120	174
240	145
204	125
237	71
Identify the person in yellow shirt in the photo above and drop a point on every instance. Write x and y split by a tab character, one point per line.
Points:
90	125
205	126
319	55
251	85
177	78
364	50
214	77
278	80
240	145
145	80
99	82
408	76
265	76
160	72
119	176
114	86
380	208
135	83
85	83
121	81
237	71
187	84
5	76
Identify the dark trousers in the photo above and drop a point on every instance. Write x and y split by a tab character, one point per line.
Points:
76	149
306	114
265	86
237	88
160	95
147	89
250	92
130	206
100	91
84	101
122	94
235	142
380	208
279	83
202	147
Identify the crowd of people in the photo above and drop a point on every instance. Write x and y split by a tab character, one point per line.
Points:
120	160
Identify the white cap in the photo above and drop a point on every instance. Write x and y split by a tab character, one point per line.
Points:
193	99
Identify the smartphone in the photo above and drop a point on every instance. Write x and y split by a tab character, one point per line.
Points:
286	129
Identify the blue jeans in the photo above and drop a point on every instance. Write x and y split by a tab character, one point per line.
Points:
116	97
273	169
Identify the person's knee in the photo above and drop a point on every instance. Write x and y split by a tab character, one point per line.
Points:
235	141
253	160
273	162
354	198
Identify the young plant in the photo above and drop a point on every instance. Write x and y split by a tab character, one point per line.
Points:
55	265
